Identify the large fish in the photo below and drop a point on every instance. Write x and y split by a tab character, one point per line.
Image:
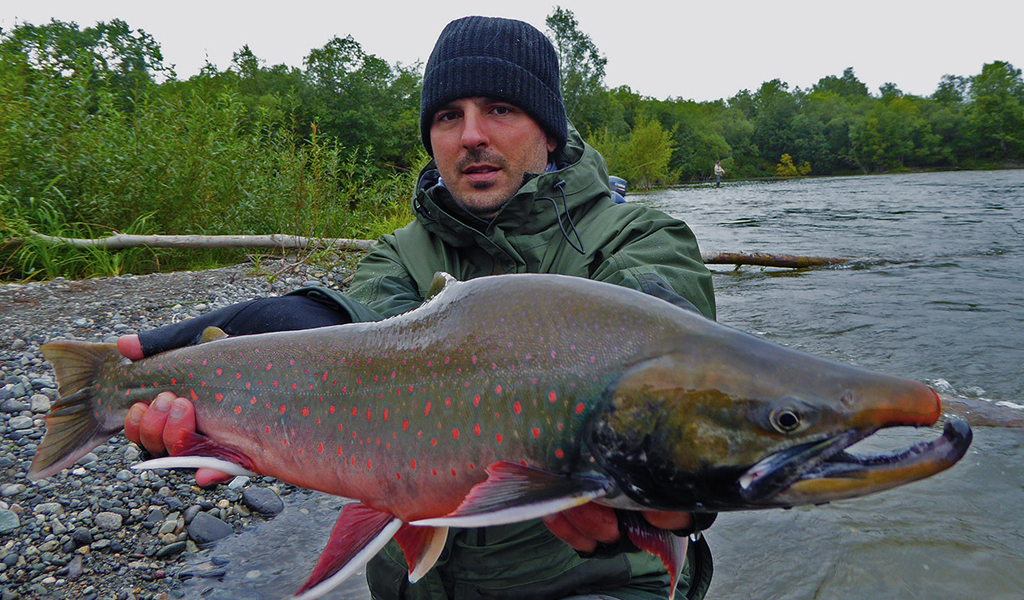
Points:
508	398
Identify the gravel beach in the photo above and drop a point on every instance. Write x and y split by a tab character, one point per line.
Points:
100	530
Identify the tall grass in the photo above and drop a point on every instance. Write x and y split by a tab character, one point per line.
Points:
77	160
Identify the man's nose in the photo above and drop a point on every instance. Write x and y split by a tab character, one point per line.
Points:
474	130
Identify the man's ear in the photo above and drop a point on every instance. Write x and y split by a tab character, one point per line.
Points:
552	144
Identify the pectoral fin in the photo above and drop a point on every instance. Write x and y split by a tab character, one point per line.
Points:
422	546
359	533
667	546
513	493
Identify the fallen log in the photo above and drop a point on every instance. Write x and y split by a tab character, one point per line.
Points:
121	241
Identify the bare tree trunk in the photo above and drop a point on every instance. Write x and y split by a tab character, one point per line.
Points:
293	242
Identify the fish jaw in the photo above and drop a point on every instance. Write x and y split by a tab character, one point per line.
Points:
837	474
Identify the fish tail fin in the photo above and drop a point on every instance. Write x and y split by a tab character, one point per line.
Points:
73	427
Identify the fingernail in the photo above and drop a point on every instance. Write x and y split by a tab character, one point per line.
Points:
135	414
162	404
178	409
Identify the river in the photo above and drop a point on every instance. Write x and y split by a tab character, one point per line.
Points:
938	296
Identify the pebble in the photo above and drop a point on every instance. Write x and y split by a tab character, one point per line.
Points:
262	500
98	530
206	528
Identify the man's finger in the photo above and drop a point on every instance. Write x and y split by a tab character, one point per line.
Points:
565	531
130	347
181	421
595	521
672	521
151	426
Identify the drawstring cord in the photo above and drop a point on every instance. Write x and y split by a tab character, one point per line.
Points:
560	185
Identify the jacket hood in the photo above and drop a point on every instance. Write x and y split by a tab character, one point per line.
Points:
540	207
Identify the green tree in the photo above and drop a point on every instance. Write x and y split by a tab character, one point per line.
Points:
847	86
644	158
995	112
581	69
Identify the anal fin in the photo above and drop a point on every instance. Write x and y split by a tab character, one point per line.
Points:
513	493
358	535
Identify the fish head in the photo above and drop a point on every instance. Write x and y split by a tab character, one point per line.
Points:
739	423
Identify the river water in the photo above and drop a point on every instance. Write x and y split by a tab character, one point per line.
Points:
938	296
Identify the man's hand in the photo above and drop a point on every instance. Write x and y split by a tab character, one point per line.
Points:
159	426
588	526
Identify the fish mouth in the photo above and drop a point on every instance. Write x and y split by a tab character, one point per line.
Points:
824	470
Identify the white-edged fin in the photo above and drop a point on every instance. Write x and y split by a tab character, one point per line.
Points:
440	281
352	567
514	493
431	555
194	462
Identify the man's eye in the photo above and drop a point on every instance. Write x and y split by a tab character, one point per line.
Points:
502	110
445	116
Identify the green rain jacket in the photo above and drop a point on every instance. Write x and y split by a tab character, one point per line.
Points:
562	221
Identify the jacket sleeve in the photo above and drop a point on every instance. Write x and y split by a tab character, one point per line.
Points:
383	283
658	255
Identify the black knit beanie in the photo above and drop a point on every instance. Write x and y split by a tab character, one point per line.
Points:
497	58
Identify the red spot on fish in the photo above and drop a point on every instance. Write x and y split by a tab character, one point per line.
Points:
354	411
498	438
174	381
453	472
433	442
275	383
201	384
497	390
472	359
476	428
204	362
368	414
330	410
193	394
285	441
218	396
282	409
552	354
552	396
339	450
385	415
266	430
399	476
324	378
593	358
412	463
291	363
405	425
368	465
219	371
559	453
455	434
269	365
344	389
426	410
238	410
238	375
536	432
320	448
433	472
448	401
579	408
476	400
305	411
295	386
517	408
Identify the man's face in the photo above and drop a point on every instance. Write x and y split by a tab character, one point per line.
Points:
483	147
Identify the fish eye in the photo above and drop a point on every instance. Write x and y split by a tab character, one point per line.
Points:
786	420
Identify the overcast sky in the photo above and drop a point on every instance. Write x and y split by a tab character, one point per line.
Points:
659	48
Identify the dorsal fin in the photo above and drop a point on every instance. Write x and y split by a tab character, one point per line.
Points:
212	333
441	280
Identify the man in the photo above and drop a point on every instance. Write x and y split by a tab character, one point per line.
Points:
719	171
512	189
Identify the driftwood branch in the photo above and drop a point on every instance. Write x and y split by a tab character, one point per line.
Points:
122	241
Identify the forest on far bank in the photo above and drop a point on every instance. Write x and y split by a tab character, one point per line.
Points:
98	135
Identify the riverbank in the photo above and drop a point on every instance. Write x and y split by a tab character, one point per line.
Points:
101	531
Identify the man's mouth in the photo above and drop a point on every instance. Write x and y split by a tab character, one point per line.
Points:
483	172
